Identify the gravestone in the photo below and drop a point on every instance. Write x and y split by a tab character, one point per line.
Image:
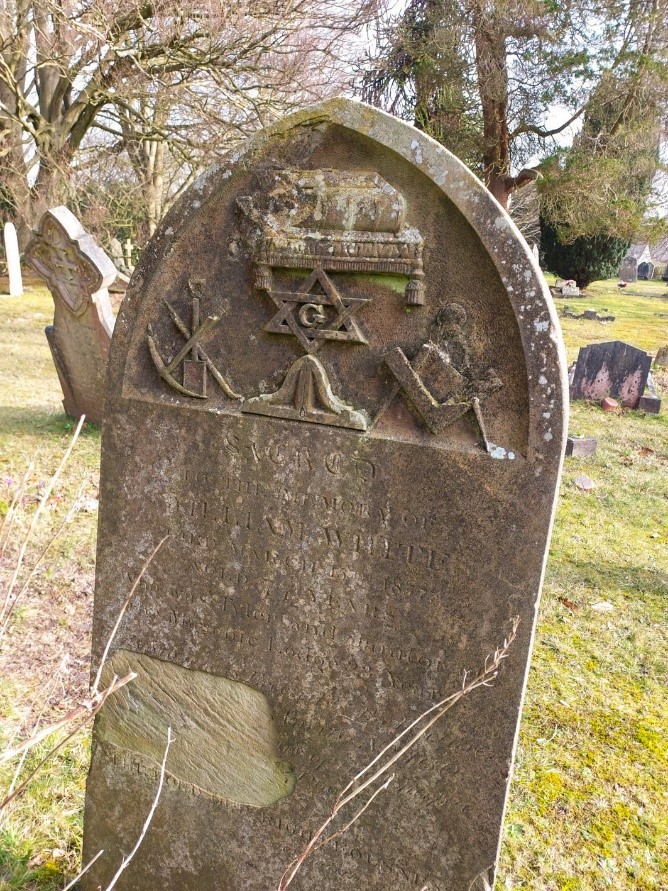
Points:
628	271
581	446
13	258
78	273
336	383
645	270
614	369
661	358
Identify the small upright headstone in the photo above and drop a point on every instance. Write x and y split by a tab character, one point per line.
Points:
628	271
13	259
78	273
581	446
661	358
650	403
336	383
611	369
645	270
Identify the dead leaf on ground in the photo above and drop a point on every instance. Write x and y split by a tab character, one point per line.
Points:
570	604
627	461
644	451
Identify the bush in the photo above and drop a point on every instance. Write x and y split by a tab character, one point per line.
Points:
586	259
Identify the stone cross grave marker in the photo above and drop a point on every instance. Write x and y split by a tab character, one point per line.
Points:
13	258
614	369
78	273
337	385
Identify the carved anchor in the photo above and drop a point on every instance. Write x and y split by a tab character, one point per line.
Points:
194	369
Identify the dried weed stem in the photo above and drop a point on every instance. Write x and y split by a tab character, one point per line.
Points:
10	600
377	770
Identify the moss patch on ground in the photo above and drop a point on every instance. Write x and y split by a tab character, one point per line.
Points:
589	797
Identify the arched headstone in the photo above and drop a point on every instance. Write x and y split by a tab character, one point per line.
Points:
337	385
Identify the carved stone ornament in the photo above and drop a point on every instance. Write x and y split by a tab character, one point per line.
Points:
315	316
70	260
440	383
195	369
334	220
78	273
306	395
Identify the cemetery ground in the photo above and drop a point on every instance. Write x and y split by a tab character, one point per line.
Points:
589	797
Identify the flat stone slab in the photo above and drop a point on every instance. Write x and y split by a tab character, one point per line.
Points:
336	383
78	274
614	369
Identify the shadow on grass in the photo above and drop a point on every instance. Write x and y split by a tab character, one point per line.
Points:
20	420
629	580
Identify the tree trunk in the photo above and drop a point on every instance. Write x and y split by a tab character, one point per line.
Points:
490	44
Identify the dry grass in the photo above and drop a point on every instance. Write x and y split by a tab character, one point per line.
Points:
588	800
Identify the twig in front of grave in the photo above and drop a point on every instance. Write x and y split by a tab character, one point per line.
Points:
122	611
10	600
11	605
377	770
81	714
147	822
484	882
12	510
83	872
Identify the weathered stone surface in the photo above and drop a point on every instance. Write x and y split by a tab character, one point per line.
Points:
650	404
13	258
208	715
628	271
581	446
611	369
661	358
337	384
78	273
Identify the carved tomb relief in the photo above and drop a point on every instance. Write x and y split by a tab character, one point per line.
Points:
330	251
340	450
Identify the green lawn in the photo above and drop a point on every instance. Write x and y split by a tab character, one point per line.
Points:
589	797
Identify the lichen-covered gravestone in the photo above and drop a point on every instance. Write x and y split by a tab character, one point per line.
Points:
337	386
614	369
78	273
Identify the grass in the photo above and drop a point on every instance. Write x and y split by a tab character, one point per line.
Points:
589	797
640	311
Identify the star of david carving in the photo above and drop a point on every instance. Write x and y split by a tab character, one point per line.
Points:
304	313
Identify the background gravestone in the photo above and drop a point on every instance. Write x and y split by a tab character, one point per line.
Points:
628	271
614	369
13	258
78	273
336	384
